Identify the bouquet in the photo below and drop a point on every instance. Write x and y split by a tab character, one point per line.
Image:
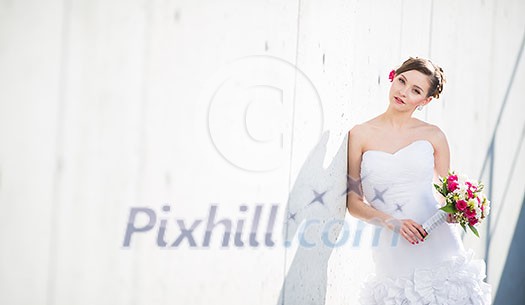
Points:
465	201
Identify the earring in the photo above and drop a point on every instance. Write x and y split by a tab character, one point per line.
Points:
419	107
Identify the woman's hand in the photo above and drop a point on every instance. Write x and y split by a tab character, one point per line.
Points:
409	229
451	218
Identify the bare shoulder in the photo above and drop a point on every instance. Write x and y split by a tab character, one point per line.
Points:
355	136
432	132
357	130
366	127
441	149
436	135
359	133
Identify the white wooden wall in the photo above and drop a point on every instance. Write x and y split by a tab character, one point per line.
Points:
107	106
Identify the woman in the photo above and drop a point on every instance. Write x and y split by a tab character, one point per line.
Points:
397	158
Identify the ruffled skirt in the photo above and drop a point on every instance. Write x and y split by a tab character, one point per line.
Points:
458	280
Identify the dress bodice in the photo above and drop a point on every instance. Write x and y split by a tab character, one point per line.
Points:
435	271
400	184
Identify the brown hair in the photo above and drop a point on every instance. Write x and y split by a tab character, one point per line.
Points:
425	66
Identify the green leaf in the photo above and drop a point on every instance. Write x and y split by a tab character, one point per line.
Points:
463	226
474	230
448	209
439	189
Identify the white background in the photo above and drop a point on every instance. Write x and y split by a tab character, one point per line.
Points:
110	105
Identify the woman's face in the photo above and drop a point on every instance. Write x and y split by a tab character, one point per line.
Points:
409	90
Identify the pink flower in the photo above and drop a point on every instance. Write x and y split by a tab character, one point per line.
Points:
452	186
452	183
392	75
452	178
461	205
472	221
470	213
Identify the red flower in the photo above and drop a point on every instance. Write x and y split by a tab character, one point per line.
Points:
452	186
471	186
392	75
470	213
472	221
470	190
461	205
452	183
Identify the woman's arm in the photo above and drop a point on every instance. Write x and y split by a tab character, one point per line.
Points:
441	163
355	200
409	229
441	154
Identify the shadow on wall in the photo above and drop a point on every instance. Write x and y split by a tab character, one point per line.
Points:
315	213
511	287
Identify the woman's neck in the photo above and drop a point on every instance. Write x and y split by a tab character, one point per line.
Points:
397	120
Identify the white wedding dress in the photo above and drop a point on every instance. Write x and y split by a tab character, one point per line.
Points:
436	271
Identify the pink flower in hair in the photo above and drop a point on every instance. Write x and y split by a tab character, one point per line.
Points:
392	75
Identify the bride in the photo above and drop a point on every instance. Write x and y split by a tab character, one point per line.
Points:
397	158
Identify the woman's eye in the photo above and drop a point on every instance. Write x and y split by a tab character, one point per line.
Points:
417	92
401	80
